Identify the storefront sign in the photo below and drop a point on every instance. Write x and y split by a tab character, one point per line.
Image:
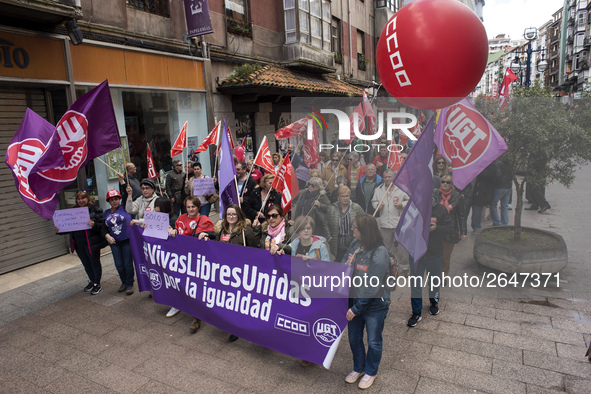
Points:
198	20
11	55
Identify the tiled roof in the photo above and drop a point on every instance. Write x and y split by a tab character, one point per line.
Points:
272	76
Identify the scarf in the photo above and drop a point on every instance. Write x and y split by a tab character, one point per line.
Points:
276	235
445	199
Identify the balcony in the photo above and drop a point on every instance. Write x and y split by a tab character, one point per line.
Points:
587	42
553	54
239	28
553	70
555	38
43	12
305	57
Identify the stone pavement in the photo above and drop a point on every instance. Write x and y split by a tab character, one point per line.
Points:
55	338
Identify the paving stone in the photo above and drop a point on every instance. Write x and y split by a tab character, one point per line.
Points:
461	331
525	342
493	324
573	352
557	364
551	334
533	389
471	309
577	385
521	317
74	383
429	386
461	359
571	325
118	379
549	311
527	374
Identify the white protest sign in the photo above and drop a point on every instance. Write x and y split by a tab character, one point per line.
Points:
156	224
73	219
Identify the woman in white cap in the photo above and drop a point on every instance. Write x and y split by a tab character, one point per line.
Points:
144	203
116	232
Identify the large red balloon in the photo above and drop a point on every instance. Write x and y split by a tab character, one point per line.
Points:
432	53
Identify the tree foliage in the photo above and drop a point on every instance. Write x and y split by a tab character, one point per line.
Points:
546	139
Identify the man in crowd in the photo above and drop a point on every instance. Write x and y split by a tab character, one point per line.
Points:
136	189
295	159
366	188
244	187
175	181
354	166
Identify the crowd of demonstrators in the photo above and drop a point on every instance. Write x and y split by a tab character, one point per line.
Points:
253	203
175	181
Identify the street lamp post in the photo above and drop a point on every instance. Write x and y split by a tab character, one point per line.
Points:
530	34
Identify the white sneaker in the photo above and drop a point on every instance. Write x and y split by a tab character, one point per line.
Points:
172	312
366	382
353	377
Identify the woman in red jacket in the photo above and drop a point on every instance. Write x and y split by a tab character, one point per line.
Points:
191	223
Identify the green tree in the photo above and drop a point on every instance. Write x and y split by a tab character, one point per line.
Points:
546	140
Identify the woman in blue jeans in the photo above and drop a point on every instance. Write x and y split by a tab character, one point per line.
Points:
116	232
369	298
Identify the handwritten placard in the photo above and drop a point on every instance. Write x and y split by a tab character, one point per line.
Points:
303	173
203	186
156	224
73	219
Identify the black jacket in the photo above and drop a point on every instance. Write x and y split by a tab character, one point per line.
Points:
458	215
437	236
253	202
484	187
93	238
503	174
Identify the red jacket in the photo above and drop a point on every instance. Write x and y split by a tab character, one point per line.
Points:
194	226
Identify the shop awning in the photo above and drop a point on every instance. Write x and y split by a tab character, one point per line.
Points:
277	80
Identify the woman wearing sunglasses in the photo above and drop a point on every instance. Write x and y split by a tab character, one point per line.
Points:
254	201
368	302
453	201
275	232
314	203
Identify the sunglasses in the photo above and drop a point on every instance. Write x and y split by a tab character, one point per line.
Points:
448	182
311	185
272	216
81	191
335	159
440	162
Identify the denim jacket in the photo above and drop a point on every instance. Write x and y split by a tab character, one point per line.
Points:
366	265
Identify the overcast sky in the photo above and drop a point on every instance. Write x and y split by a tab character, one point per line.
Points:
513	16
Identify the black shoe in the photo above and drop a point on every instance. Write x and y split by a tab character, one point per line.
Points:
532	208
414	319
434	309
88	287
129	290
96	289
542	210
233	338
122	288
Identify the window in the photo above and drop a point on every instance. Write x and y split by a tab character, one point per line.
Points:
313	18
361	60
391	4
336	36
237	18
156	7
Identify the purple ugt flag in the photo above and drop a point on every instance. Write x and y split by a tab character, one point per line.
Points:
227	174
468	141
33	148
415	178
197	15
86	131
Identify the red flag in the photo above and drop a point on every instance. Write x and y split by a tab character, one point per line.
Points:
212	138
294	130
180	143
263	158
505	87
243	144
394	160
360	122
284	185
311	156
371	116
152	174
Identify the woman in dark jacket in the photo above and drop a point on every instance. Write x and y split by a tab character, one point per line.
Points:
231	227
314	203
88	243
368	302
254	201
454	202
276	232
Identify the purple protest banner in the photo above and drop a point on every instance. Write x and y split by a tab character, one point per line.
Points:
415	178
34	147
244	291
227	174
197	16
468	141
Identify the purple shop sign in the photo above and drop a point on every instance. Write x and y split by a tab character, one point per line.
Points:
244	291
197	15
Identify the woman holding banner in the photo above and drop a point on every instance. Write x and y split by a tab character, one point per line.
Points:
205	199
88	243
307	245
263	194
275	232
369	300
191	223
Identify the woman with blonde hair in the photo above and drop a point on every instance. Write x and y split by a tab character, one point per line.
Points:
253	202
